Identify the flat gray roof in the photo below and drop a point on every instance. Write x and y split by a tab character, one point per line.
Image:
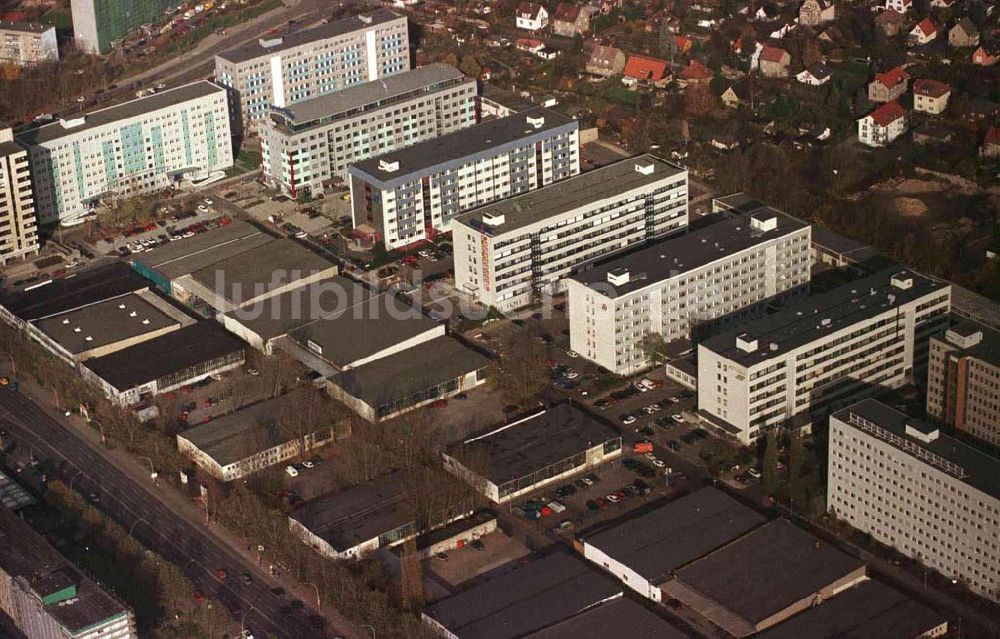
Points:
662	540
358	514
617	618
410	371
767	570
327	107
605	183
981	469
191	254
526	599
248	431
508	99
515	450
686	253
24	27
10	148
166	99
987	350
106	322
255	272
453	149
870	609
801	322
309	36
74	291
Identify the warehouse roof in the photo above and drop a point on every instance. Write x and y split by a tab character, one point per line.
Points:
358	514
870	609
410	371
186	256
515	450
662	540
266	46
165	355
947	454
524	600
376	94
107	322
767	570
74	291
616	618
142	107
454	149
586	189
815	317
680	255
250	274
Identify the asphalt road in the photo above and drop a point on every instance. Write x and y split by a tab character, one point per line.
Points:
138	506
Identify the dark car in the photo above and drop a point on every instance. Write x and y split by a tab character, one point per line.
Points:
478	544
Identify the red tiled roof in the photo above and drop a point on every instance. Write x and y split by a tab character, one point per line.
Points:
773	54
887	113
930	88
683	43
696	71
529	8
643	68
927	27
892	77
528	43
566	12
889	15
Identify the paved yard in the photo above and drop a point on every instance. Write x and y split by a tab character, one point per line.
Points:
466	563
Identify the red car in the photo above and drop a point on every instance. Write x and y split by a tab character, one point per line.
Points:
198	596
602	503
221	573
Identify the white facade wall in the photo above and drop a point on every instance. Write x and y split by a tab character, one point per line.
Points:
873	134
623	573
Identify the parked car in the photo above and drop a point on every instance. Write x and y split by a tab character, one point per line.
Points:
291	471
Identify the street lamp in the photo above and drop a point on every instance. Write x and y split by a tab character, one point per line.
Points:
243	618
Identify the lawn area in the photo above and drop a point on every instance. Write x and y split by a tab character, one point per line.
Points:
246	161
622	95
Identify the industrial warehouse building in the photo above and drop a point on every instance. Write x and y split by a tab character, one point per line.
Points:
794	367
644	551
509	252
506	461
763	578
913	488
679	287
253	438
410	194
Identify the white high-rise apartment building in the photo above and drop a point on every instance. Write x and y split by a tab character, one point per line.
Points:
508	252
724	271
308	145
908	485
409	194
796	366
134	148
18	227
283	70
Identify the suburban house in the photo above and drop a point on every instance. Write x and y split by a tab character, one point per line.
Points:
990	147
930	96
963	34
683	44
816	75
648	71
531	16
815	12
984	56
889	22
605	61
696	73
888	86
883	125
923	33
774	62
604	7
530	45
736	94
570	20
899	6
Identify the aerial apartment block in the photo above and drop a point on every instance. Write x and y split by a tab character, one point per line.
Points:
99	25
963	380
509	252
134	148
26	43
795	366
283	70
308	145
18	227
730	269
913	488
408	195
44	596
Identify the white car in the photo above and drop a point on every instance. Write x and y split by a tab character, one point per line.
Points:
640	387
202	208
648	384
247	634
659	463
653	408
188	234
291	471
302	235
628	419
571	374
308	464
572	354
209	201
613	499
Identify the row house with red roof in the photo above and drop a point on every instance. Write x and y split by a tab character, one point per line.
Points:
647	71
923	33
883	125
888	86
930	96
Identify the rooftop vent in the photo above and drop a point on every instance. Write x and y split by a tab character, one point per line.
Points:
924	435
825	321
367	19
121	306
145	321
536	122
764	221
132	314
72	123
964	341
902	280
77	330
89	338
746	343
773	346
645	167
389	166
268	43
494	219
618	276
65	321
